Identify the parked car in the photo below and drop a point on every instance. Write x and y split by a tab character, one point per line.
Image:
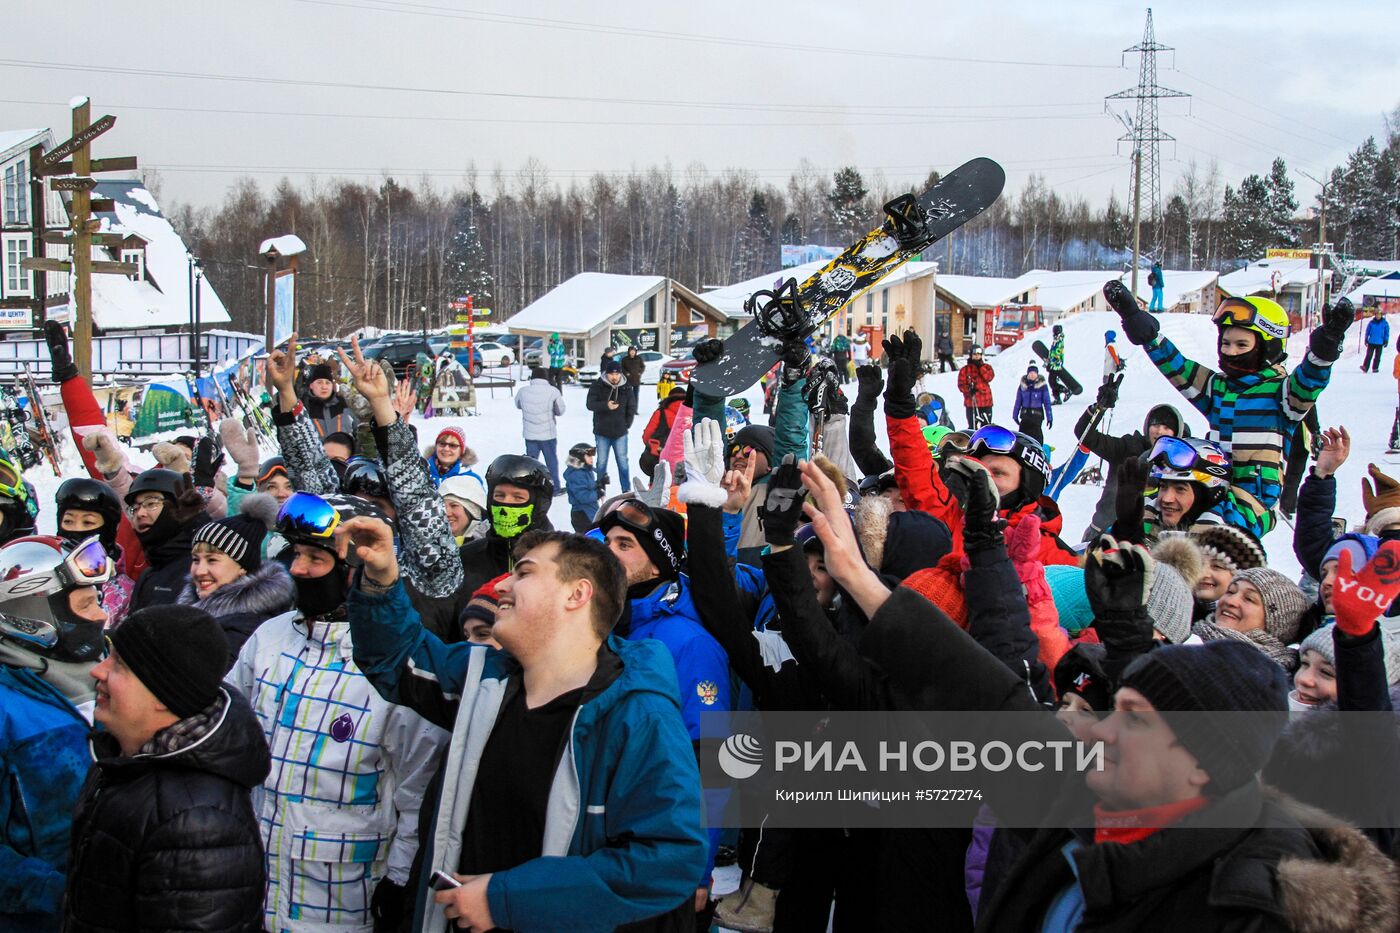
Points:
679	366
494	353
400	351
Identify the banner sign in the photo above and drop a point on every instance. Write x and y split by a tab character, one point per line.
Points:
284	308
1288	254
643	338
165	407
794	255
16	318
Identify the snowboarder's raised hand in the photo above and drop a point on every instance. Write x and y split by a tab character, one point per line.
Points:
655	495
869	381
208	458
282	370
796	357
708	350
903	356
1336	447
1140	326
703	448
782	509
242	445
1326	341
62	360
1108	395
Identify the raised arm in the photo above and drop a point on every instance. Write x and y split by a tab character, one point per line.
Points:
308	467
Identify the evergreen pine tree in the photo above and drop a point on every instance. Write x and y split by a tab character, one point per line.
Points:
845	205
755	254
1245	221
465	267
1281	206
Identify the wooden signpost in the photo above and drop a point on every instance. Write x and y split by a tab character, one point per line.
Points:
72	165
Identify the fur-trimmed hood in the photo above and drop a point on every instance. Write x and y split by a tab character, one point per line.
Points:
267	591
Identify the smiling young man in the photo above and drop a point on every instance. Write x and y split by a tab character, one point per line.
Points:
570	798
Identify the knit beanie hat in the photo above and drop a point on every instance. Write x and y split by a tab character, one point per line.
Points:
455	432
342	437
1321	642
941	586
1218	676
664	541
1361	547
483	603
611	365
1231	546
1380	494
1080	670
319	371
241	536
1169	604
1071	601
757	436
178	652
1284	602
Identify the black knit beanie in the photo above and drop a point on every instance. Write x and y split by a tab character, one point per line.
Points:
319	371
178	652
664	542
757	436
1218	676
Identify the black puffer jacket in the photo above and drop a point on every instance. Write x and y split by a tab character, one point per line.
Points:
169	841
160	583
1114	450
611	422
241	606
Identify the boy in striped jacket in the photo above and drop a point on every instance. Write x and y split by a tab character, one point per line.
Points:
1253	403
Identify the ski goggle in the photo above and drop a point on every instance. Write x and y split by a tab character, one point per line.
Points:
1238	312
993	439
630	509
274	467
12	482
307	515
363	477
1182	456
37	567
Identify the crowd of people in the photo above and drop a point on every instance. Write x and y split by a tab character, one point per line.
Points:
358	685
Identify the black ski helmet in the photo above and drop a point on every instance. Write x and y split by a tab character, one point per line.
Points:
519	470
158	479
364	477
578	451
1035	468
271	466
89	495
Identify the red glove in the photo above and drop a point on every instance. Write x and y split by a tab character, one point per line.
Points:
1359	598
1023	547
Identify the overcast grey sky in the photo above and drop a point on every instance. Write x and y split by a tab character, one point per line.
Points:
364	87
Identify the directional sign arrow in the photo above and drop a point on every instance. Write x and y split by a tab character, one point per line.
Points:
94	130
102	206
116	268
44	264
75	183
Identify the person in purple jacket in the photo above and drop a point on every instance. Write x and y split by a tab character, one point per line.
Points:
1033	405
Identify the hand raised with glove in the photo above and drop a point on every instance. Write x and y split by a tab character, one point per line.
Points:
208	457
707	351
869	382
242	445
106	450
972	485
1108	394
655	495
1362	595
1140	326
189	502
1118	579
796	357
1128	503
903	355
703	445
62	361
782	510
1326	341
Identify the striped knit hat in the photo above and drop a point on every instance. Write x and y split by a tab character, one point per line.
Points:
241	536
1236	548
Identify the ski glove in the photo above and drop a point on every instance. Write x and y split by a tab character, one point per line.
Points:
208	458
603	480
782	510
660	485
1118	580
707	351
970	483
1140	326
107	455
242	445
704	465
387	904
1361	596
1325	342
1128	504
903	356
189	502
62	360
1108	395
869	382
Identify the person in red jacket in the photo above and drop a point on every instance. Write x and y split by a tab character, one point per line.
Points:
975	384
659	428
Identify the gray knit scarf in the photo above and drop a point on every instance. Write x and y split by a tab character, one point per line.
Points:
1281	654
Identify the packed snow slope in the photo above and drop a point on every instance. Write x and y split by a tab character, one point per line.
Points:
1364	403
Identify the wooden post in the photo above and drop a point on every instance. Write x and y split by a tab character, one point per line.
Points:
82	250
37	220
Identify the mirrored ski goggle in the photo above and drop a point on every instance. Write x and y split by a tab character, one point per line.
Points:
35	566
1174	452
993	438
1241	313
306	514
11	481
270	468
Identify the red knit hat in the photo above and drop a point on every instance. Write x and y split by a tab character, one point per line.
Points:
942	586
456	432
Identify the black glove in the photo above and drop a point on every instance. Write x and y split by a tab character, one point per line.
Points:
1108	394
708	350
63	368
1326	341
208	457
602	483
189	504
973	487
796	357
1128	504
903	356
386	905
782	510
869	382
1140	326
1118	579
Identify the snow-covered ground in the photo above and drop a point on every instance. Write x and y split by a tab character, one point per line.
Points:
1364	403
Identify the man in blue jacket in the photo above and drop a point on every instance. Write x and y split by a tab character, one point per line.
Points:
1377	336
570	798
650	544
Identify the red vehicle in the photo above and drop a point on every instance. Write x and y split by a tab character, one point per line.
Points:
1012	322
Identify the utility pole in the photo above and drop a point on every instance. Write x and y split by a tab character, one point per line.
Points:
1137	215
1322	250
1145	134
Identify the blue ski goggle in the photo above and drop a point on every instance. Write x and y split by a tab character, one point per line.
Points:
307	515
1174	452
992	439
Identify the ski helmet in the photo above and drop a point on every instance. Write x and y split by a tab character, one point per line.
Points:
976	350
88	495
518	470
1109	336
1190	460
19	504
307	518
158	479
1057	330
740	404
1025	450
581	450
270	468
734	422
1263	317
364	477
37	572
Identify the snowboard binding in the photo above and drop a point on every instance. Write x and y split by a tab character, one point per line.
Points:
779	312
905	221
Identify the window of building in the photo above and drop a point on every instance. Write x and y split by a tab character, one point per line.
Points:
620	320
137	256
16	192
869	307
17	281
649	311
885	310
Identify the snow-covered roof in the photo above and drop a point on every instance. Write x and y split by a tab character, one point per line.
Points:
162	297
1062	291
980	291
287	245
584	303
1180	283
21	139
1376	288
1377	266
1258	276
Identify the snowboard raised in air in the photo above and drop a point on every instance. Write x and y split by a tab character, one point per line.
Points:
793	310
1069	381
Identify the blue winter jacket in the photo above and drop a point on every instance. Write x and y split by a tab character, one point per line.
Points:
45	754
457	469
581	483
624	835
1377	332
1033	398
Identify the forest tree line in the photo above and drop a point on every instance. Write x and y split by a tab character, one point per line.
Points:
379	253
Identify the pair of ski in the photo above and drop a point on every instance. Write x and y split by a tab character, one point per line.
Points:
1066	473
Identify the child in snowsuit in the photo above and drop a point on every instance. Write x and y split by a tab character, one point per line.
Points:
582	485
1253	404
1032	407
